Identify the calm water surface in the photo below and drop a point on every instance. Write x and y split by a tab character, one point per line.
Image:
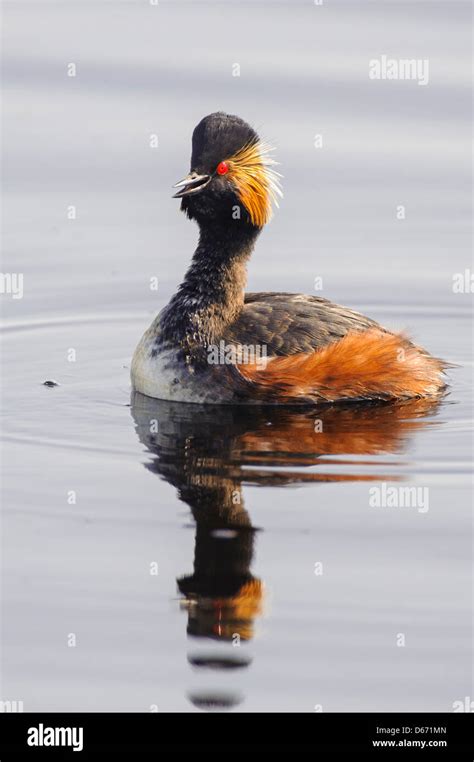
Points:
279	586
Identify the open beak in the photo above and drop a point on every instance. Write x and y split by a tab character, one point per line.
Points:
193	183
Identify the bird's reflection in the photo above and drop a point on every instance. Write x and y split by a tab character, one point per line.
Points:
209	452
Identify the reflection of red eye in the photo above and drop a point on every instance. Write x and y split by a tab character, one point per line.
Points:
222	168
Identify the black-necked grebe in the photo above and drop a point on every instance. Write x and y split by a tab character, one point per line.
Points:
214	343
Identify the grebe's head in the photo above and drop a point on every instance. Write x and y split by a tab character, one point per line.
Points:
232	174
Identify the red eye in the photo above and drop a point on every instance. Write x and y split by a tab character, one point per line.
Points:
222	168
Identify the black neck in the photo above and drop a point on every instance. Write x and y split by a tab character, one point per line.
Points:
212	293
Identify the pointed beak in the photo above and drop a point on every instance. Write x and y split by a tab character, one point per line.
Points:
193	183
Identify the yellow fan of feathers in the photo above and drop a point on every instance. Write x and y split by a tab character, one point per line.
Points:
256	181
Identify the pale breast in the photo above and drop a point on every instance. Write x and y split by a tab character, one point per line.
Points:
159	373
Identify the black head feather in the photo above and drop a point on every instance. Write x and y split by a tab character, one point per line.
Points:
216	138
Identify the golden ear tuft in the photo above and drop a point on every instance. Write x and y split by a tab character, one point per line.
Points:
256	181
